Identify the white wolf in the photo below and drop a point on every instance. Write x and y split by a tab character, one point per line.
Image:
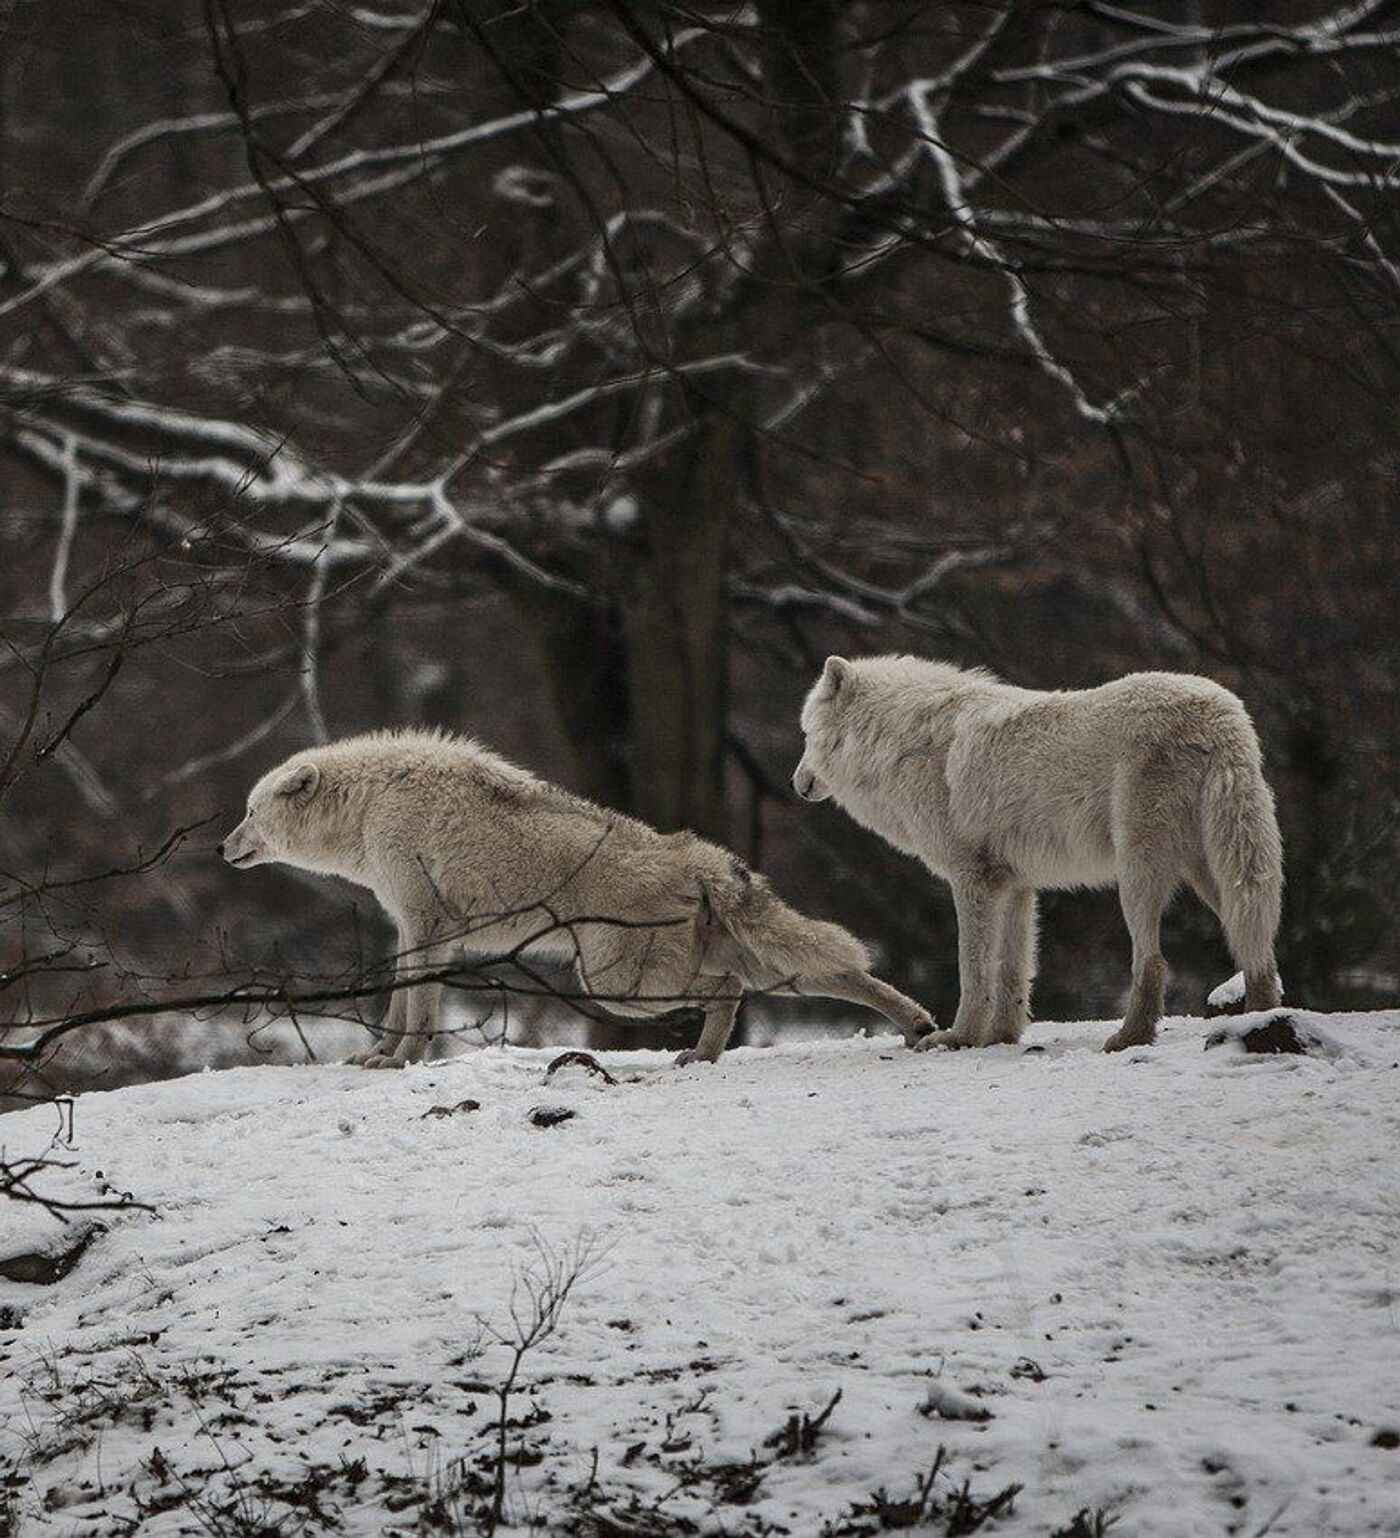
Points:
1149	781
465	850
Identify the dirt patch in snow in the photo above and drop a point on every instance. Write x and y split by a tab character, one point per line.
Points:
44	1266
1278	1035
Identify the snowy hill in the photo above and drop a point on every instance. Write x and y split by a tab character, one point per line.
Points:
1162	1287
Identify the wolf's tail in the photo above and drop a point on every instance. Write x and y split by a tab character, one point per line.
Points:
1245	855
788	951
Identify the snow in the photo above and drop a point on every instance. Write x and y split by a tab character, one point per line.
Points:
1169	1277
1229	995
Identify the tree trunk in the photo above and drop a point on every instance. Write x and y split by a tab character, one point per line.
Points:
642	695
639	680
581	651
676	631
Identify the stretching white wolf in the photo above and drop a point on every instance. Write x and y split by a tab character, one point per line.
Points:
466	851
1149	781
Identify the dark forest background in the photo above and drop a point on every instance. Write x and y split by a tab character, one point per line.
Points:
578	375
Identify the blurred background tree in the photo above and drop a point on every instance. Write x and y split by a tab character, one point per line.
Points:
579	374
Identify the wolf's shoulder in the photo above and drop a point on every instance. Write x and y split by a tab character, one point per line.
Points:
898	671
398	754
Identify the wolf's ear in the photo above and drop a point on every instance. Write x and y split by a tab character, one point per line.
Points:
298	784
834	677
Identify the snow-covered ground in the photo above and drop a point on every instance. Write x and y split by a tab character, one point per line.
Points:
1169	1281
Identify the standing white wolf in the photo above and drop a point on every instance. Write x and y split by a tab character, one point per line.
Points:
466	851
1150	781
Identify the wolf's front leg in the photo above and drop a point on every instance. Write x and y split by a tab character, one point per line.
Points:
390	1031
981	902
380	1052
1016	967
421	1014
408	1027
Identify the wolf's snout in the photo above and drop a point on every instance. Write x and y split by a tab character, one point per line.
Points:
238	848
808	784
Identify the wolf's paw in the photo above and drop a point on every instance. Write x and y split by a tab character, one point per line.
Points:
916	1035
940	1041
1124	1038
691	1055
372	1057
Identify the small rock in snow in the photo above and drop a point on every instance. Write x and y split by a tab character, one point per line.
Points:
450	1110
950	1405
1229	996
550	1115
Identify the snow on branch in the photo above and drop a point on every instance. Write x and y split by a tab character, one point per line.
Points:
624	250
156	238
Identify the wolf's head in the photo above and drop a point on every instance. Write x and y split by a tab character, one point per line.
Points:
293	818
820	711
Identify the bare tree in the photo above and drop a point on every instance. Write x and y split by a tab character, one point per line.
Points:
590	280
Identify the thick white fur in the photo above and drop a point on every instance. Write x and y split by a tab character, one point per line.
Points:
1147	782
465	850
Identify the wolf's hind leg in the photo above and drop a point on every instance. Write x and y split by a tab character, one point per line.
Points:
1144	892
1263	988
1011	1011
718	1026
914	1022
